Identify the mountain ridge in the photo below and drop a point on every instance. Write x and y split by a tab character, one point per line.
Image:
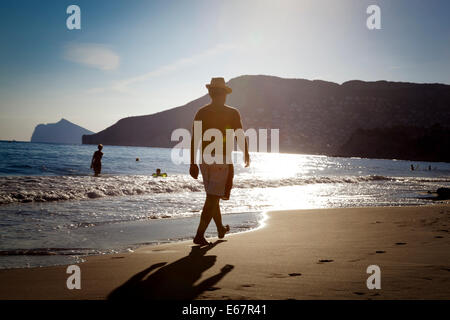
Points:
314	116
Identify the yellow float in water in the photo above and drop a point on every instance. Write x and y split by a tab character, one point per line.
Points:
159	174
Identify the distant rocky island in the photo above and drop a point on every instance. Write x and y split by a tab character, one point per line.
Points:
63	131
378	119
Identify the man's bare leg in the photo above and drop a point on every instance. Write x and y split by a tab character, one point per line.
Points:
205	218
217	216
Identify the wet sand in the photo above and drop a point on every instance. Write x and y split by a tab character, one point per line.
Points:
298	254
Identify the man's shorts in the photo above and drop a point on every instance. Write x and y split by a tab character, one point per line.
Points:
218	179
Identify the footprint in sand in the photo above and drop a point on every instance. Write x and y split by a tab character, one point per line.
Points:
247	285
380	251
295	274
400	243
439	237
359	293
324	261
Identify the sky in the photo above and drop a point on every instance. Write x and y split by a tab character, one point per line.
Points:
135	57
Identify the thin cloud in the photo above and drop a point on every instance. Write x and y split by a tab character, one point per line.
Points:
123	85
92	55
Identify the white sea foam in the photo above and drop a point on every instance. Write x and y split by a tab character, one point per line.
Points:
15	189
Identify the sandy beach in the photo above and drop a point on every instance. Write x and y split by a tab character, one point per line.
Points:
299	254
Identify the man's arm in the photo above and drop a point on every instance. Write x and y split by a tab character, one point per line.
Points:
242	143
194	140
92	161
193	170
193	148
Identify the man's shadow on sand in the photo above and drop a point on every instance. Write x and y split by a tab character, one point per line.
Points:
173	281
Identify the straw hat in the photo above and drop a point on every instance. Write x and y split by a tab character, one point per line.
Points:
218	83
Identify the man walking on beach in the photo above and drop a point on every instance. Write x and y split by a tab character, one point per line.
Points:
217	176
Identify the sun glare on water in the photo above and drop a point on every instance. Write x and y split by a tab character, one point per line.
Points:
281	166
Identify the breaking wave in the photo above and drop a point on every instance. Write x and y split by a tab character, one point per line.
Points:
15	189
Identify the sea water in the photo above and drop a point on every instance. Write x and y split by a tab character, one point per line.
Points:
53	211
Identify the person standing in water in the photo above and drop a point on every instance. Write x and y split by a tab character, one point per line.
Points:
96	162
217	177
